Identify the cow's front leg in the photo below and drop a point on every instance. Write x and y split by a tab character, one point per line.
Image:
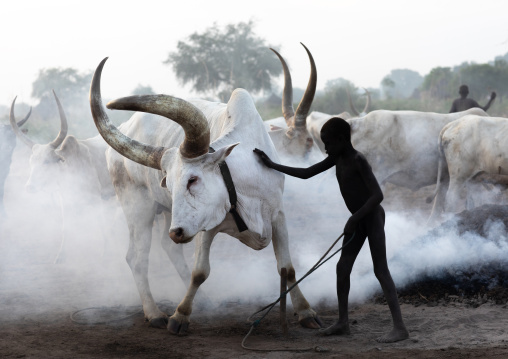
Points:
179	322
137	258
307	317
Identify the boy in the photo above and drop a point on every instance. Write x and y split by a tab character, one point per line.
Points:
362	196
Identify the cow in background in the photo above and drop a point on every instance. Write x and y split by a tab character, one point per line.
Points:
472	150
289	133
7	145
75	170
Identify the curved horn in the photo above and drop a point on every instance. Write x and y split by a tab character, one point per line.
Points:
287	95
367	104
141	153
15	127
353	108
22	122
306	102
63	125
192	120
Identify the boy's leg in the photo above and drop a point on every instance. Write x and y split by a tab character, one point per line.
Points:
344	268
376	235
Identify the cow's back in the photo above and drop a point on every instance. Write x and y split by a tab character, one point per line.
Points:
478	143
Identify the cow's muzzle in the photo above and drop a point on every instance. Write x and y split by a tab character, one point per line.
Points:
176	234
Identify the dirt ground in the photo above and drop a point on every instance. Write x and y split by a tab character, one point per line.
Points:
37	299
442	331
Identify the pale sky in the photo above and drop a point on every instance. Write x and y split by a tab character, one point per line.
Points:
361	41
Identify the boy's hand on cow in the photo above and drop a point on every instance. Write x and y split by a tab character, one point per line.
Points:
266	160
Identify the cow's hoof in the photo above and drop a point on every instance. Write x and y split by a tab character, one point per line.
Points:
311	322
160	323
176	327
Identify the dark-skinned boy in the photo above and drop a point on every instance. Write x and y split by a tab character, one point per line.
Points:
362	196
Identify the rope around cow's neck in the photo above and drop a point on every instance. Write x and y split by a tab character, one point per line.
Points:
270	306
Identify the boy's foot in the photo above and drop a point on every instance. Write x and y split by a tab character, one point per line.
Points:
394	336
336	329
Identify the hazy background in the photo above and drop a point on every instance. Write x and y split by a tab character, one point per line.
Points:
361	41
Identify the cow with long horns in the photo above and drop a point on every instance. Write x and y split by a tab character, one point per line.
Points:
289	133
180	154
67	163
7	145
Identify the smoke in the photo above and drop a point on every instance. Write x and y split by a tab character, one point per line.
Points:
94	272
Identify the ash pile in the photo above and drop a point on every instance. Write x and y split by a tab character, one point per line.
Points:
475	274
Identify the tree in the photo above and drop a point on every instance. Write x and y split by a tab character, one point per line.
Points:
143	90
401	83
219	60
69	84
484	78
441	83
72	88
334	99
387	84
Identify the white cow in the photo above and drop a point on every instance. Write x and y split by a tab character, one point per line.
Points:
401	145
68	163
180	177
7	144
471	148
316	120
289	133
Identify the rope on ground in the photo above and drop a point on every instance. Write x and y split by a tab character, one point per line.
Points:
270	306
137	310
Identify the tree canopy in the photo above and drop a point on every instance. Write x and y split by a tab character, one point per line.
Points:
334	98
219	60
401	83
67	82
143	90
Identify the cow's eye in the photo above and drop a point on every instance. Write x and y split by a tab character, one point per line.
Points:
191	181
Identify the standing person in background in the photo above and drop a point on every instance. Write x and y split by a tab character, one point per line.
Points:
463	103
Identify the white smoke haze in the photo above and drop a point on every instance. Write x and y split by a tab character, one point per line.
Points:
94	271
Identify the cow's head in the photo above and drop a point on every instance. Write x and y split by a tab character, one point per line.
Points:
295	140
46	159
190	173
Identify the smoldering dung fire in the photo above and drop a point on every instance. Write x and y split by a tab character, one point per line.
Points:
483	272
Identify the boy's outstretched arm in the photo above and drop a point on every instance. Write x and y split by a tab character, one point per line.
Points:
303	173
375	198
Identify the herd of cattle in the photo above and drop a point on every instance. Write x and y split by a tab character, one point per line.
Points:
168	160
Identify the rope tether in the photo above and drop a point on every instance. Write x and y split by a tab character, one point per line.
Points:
270	306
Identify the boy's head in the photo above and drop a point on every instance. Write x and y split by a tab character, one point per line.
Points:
463	90
336	136
336	127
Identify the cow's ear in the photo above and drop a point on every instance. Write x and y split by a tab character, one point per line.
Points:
163	182
275	128
221	154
